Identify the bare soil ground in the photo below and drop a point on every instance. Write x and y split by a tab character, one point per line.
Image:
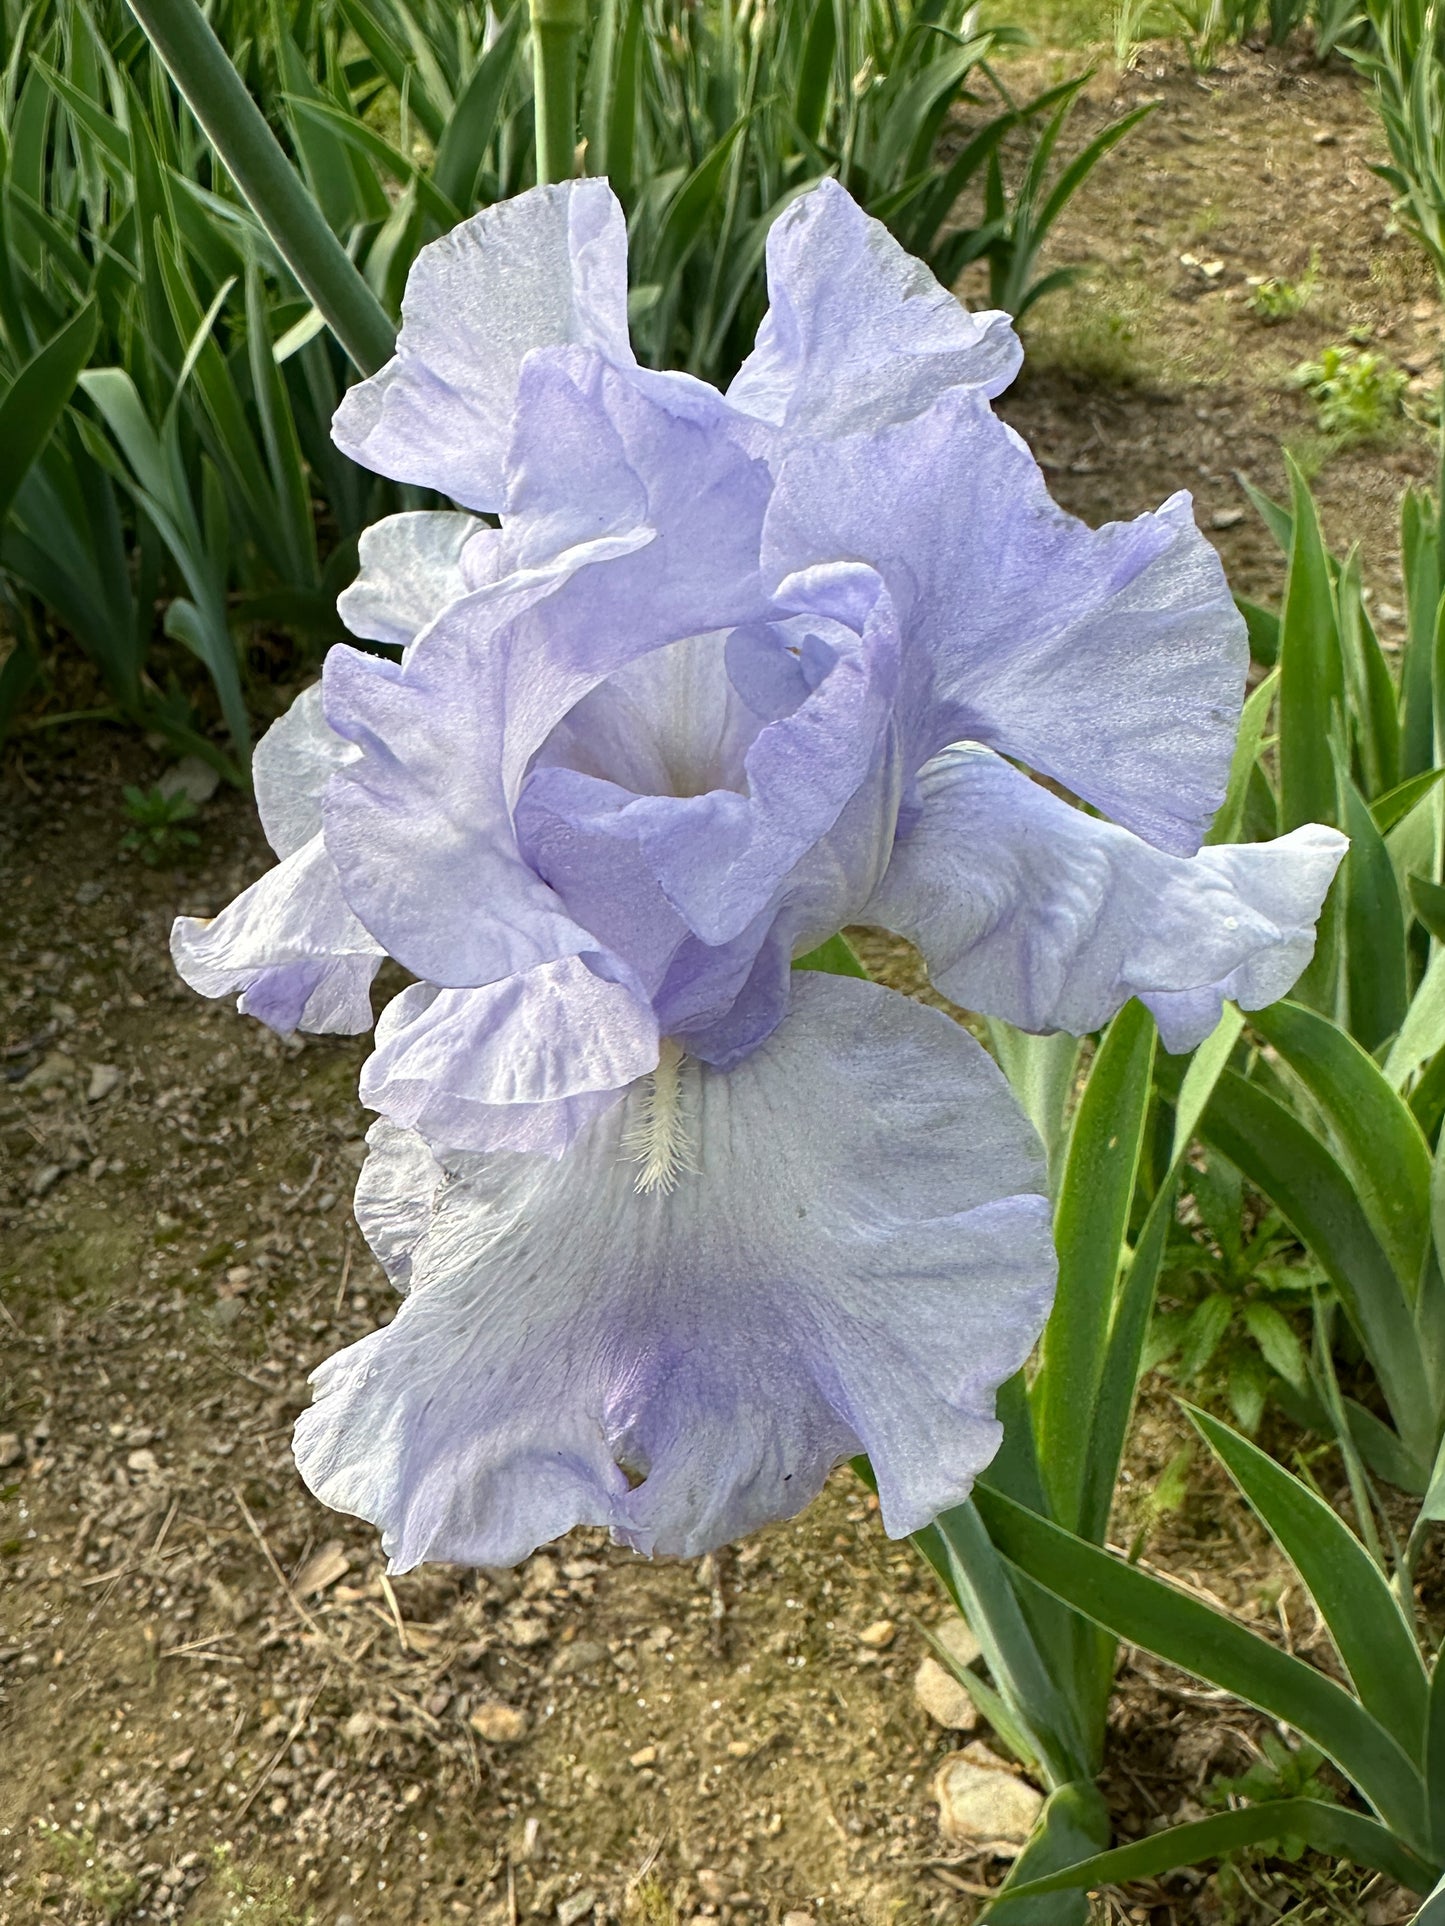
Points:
213	1705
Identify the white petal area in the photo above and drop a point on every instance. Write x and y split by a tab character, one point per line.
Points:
547	267
290	945
291	766
860	1257
520	1065
411	569
396	1196
1110	659
1030	910
858	333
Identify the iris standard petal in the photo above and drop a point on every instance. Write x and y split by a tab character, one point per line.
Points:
546	267
719	806
1111	659
421	822
290	944
1027	909
411	568
859	1258
858	333
519	1065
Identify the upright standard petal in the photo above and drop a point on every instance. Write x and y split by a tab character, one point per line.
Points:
1027	909
1111	659
855	1255
411	569
290	945
719	803
421	822
858	333
546	267
519	1065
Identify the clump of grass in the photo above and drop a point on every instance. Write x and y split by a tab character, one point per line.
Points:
1275	299
95	1873
256	1897
1357	394
155	817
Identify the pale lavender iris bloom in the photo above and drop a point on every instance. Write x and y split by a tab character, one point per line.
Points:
678	1227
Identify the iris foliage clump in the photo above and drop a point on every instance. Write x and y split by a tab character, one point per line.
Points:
180	383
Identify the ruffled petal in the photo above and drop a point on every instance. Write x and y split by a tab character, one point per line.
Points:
861	1256
1111	659
519	1065
411	568
721	826
290	945
546	267
421	822
1027	909
396	1196
290	768
858	333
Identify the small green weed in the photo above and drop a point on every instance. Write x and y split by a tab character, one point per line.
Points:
156	834
1357	394
256	1897
95	1872
1275	299
1229	1285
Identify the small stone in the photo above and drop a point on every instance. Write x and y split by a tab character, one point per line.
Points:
178	1761
197	781
103	1079
879	1635
984	1807
1324	138
715	1887
45	1179
12	1452
1226	518
527	1633
88	893
957	1640
54	1068
941	1696
645	1755
322	1569
582	1655
142	1462
569	1911
797	1919
497	1723
540	1575
739	1748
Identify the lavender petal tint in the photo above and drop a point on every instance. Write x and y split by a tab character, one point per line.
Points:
1032	911
684	1365
679	1226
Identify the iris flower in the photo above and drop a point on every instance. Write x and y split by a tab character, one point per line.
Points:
678	1227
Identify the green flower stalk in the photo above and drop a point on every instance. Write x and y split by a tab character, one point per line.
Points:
556	34
213	90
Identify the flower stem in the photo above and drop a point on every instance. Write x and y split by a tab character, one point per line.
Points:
556	31
216	95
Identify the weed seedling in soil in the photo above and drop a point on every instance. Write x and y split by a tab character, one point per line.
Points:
1357	395
92	1874
1275	299
155	834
